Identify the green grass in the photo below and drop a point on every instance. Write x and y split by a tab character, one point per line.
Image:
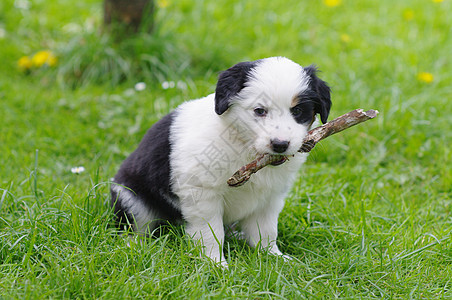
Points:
369	217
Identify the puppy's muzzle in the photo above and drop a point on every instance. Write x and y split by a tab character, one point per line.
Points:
279	146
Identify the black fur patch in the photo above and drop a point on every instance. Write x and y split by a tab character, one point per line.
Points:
319	93
147	173
304	111
230	83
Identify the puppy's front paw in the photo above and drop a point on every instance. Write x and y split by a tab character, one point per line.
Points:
218	262
224	264
287	257
275	251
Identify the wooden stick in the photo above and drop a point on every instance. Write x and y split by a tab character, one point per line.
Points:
312	138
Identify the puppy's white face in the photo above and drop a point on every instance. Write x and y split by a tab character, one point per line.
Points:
272	103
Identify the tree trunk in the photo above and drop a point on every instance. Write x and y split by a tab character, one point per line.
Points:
129	16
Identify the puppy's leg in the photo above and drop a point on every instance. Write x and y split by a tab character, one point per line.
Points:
204	219
210	233
261	228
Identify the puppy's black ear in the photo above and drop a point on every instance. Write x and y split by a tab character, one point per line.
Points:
230	83
322	91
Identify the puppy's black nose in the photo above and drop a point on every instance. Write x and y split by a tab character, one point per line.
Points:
279	146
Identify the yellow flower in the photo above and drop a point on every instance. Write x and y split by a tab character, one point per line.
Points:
40	58
425	77
24	63
44	57
408	14
345	38
163	3
332	3
437	1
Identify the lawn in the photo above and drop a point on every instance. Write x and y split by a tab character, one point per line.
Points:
369	216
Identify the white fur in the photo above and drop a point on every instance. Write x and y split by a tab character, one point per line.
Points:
208	148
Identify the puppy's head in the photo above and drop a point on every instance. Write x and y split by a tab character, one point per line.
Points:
272	102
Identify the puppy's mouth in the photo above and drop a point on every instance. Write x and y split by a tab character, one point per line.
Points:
277	160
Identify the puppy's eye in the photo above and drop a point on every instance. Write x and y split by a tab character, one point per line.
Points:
296	111
260	112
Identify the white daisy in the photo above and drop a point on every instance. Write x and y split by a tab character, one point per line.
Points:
77	170
140	86
168	85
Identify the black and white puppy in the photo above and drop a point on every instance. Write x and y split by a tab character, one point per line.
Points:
180	168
